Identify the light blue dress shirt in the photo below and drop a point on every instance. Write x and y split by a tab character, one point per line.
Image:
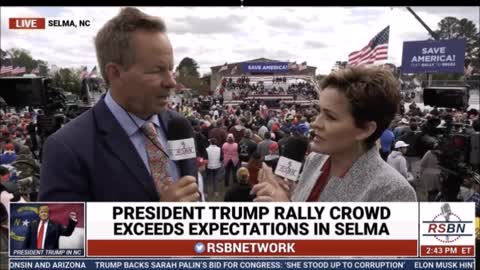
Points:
136	136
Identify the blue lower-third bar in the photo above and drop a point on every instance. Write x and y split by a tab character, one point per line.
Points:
244	264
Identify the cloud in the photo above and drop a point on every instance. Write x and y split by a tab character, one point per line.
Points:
459	12
283	23
215	35
201	26
315	44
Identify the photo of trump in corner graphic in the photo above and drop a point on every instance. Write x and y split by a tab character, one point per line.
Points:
47	227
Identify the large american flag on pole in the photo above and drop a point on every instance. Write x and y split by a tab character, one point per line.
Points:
376	49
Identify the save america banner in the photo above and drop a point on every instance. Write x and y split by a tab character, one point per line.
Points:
434	56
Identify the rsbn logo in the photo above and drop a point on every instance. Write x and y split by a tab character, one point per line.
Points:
446	227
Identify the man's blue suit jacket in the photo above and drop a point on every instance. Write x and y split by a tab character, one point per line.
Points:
92	159
52	236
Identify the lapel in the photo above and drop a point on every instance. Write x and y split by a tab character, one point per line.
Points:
49	230
312	172
118	142
343	188
164	117
315	175
34	232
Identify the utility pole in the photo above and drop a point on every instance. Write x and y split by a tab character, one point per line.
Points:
433	34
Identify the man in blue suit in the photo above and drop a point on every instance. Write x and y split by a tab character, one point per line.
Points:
102	154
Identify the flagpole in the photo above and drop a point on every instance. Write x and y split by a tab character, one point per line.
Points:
433	34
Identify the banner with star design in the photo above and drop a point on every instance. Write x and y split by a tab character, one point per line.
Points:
22	215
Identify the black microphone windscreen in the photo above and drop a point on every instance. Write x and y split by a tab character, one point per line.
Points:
295	148
179	129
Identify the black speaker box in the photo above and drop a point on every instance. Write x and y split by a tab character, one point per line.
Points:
445	97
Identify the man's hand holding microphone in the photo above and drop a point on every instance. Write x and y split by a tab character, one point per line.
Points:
180	139
183	190
278	186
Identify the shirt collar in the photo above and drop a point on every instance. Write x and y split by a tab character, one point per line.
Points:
130	127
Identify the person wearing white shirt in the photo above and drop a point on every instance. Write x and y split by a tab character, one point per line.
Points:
214	156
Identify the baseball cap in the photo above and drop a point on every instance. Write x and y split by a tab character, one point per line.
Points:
400	144
404	121
273	147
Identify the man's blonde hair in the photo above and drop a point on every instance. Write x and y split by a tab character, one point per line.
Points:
113	40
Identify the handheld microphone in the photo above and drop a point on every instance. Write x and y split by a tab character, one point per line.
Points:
181	144
292	155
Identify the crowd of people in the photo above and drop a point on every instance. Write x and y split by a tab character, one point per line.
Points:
235	133
242	88
20	148
230	139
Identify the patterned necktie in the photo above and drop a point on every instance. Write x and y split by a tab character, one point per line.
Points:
40	235
156	158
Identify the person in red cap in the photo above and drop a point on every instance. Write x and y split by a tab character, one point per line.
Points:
9	155
273	149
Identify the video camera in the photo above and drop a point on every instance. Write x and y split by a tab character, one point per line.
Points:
25	179
35	92
456	148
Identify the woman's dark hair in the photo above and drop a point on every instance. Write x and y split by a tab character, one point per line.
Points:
373	94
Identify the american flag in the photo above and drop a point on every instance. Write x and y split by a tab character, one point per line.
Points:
6	69
376	49
302	66
468	70
293	65
224	67
93	73
83	73
234	69
19	70
7	66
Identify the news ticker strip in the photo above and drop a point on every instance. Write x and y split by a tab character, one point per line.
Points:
275	230
244	264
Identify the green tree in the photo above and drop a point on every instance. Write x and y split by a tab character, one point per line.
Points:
188	67
67	79
188	75
454	28
23	58
204	88
43	66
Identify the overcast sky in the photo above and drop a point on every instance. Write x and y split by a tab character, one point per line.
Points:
215	35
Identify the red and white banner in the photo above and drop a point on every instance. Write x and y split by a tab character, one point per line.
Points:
236	229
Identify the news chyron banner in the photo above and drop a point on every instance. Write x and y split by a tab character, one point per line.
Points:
240	229
437	236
